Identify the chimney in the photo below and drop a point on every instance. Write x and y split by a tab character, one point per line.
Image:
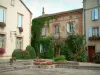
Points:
43	11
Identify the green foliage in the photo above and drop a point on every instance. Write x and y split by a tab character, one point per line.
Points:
96	57
37	25
26	55
17	53
48	49
59	58
31	51
74	48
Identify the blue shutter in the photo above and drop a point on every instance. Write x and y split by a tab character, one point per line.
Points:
90	32
96	13
93	14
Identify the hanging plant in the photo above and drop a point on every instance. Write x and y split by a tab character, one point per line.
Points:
2	51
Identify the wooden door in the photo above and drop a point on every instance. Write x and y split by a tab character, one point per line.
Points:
91	51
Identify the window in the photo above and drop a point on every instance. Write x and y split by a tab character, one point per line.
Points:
99	1
41	48
44	31
20	20
56	29
2	41
96	31
19	43
70	27
2	14
12	2
95	14
93	31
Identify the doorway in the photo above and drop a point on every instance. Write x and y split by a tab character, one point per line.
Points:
91	51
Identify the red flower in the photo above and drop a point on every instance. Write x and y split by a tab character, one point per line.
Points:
20	29
2	51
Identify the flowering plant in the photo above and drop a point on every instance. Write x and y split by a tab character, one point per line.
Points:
2	51
20	29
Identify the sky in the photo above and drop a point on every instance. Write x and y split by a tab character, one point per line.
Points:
52	6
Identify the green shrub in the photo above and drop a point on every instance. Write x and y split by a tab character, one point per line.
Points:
31	51
17	53
96	57
26	55
59	58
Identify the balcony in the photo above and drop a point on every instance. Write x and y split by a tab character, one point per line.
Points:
94	38
2	24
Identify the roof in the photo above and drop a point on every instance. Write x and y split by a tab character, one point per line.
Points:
64	12
25	6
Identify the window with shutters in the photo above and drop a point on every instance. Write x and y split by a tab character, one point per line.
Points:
44	31
56	29
2	41
19	43
20	20
94	33
98	1
2	14
70	27
95	14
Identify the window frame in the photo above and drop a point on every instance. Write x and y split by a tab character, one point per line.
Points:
17	39
44	33
4	14
18	14
4	39
93	14
56	29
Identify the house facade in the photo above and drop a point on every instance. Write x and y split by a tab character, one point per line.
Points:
15	26
63	24
92	26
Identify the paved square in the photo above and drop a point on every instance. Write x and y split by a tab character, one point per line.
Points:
58	71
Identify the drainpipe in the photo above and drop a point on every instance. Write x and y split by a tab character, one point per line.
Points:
84	20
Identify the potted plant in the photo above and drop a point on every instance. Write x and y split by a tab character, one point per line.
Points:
20	29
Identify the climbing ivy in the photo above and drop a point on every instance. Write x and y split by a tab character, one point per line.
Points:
37	25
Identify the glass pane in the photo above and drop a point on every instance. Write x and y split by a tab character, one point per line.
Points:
68	27
93	14
96	13
1	15
43	31
19	21
90	32
1	41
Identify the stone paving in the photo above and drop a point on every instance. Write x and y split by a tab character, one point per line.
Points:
57	71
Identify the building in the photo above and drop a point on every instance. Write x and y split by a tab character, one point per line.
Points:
15	25
92	26
63	24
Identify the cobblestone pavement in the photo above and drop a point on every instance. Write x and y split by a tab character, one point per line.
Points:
57	71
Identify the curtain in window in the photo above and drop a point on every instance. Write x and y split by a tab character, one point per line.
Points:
90	32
